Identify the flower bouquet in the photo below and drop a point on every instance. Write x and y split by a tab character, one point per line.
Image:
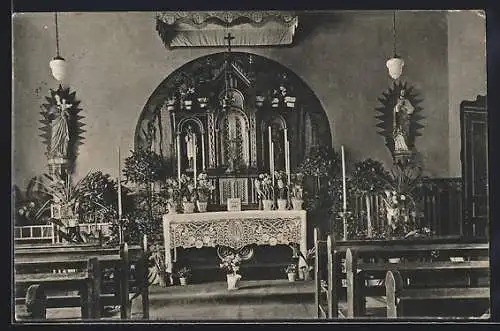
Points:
265	192
183	274
231	265
281	189
291	271
204	189
297	191
188	194
172	194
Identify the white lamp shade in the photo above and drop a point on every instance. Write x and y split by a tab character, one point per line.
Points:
58	67
395	66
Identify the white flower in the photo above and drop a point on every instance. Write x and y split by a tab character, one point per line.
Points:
402	197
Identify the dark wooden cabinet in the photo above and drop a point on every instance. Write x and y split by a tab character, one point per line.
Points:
474	129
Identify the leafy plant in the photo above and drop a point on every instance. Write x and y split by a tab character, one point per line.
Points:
231	263
204	187
188	192
291	268
281	189
183	272
144	167
369	176
264	187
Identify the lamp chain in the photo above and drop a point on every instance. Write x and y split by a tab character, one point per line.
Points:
394	31
57	35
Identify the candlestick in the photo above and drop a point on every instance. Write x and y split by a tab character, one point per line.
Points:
270	150
119	186
368	215
178	140
272	162
344	196
288	162
194	165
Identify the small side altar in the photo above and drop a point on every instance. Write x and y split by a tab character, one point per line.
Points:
235	230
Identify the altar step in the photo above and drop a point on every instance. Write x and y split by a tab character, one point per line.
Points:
250	291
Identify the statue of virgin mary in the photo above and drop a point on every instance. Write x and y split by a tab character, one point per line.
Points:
59	128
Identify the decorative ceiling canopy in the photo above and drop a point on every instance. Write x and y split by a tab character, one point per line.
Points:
208	28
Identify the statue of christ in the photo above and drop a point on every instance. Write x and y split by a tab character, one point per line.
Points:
190	146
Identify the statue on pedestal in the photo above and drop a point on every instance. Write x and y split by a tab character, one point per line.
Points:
59	128
191	147
402	112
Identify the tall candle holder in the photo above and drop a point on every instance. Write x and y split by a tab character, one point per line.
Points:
344	215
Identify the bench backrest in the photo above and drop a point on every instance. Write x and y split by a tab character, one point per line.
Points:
325	286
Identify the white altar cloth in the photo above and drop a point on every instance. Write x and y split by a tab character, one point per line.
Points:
234	229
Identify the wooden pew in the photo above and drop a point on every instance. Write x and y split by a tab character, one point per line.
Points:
398	295
359	267
87	281
72	257
324	286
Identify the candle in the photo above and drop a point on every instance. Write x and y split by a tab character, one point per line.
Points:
368	215
119	187
288	161
178	140
272	161
270	150
344	200
194	165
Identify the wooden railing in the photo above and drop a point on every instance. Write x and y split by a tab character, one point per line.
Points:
48	232
439	204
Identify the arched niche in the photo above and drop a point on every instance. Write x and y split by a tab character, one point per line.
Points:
261	92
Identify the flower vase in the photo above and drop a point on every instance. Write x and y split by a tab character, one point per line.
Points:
282	204
183	281
202	206
297	204
233	281
267	204
291	277
188	207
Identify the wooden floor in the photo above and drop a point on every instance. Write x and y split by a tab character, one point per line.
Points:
254	300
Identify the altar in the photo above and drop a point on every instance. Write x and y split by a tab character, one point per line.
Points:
234	230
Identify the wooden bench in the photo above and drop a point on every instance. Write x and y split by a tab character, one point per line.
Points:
67	257
365	262
326	303
88	282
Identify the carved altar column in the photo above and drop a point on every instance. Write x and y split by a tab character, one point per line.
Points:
253	140
178	152
203	151
211	140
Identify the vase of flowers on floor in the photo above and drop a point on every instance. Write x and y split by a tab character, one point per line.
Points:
281	190
264	189
296	191
231	265
204	189
291	271
188	194
183	274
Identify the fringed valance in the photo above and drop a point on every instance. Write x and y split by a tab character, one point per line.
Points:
249	28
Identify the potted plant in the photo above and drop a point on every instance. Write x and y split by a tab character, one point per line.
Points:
188	194
183	274
264	188
204	189
297	191
281	190
291	271
231	265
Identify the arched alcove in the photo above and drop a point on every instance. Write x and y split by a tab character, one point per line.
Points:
256	91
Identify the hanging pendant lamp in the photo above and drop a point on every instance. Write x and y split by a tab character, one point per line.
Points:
396	63
58	64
